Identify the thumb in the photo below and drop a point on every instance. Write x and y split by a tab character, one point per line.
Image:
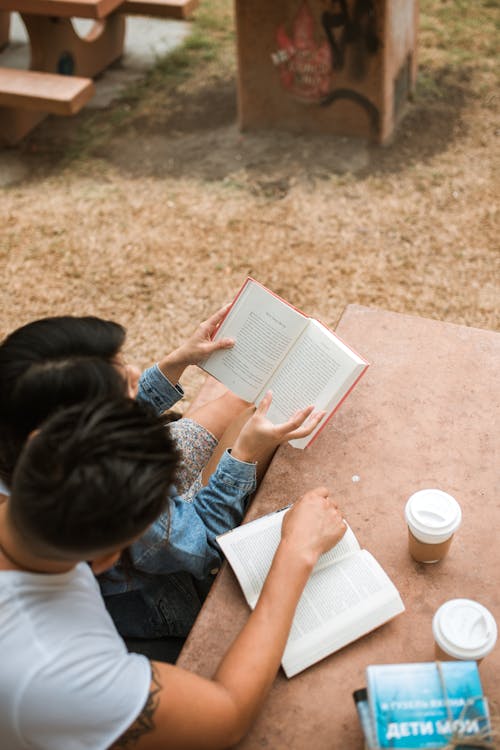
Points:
213	346
264	405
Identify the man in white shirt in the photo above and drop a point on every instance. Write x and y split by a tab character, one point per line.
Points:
86	485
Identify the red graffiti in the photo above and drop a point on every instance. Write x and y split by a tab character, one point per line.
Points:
305	67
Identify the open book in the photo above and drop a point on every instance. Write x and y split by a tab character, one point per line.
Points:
278	348
347	595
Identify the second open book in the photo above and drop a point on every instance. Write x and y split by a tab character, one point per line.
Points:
281	349
347	595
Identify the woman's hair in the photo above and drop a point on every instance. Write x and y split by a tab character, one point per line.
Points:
92	478
50	364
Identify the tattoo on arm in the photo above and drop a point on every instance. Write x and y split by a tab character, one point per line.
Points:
145	721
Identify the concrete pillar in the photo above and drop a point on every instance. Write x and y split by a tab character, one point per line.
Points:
344	67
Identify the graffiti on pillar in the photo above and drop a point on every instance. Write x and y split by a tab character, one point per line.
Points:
310	58
356	30
304	65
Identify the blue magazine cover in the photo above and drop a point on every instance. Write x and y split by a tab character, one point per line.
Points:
424	705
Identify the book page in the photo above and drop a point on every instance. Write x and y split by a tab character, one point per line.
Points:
250	550
319	370
340	604
264	328
348	594
331	592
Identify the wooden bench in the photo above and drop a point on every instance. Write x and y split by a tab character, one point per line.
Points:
99	9
177	9
26	96
56	48
62	8
44	92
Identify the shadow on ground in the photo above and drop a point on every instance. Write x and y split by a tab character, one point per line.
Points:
196	136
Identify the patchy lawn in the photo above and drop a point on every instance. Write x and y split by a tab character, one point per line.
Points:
154	211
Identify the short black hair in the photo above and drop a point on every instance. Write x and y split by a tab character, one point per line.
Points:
93	478
52	363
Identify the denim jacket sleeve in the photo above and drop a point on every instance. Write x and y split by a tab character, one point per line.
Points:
184	538
157	390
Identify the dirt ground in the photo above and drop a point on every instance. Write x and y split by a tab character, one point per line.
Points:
154	212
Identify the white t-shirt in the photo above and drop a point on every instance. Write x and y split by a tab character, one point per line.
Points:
67	681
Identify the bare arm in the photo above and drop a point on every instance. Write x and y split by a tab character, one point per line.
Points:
187	712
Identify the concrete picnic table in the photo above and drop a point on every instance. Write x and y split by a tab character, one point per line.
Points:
426	414
59	54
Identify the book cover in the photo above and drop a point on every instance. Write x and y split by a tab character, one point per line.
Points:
427	705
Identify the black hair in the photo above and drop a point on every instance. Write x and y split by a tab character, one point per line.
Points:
52	363
93	478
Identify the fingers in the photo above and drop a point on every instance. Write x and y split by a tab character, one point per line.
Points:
315	523
301	424
296	420
307	427
214	320
214	346
264	405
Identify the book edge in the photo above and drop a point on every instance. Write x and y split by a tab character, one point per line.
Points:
330	414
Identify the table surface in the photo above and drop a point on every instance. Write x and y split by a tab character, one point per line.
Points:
63	8
426	414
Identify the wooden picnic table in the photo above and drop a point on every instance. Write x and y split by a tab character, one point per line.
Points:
426	414
59	53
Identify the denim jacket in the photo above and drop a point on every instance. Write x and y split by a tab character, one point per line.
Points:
159	596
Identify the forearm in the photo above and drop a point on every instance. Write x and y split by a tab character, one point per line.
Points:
250	666
173	365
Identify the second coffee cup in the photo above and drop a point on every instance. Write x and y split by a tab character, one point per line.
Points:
432	516
463	629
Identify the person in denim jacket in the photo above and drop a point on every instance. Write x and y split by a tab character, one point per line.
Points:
157	588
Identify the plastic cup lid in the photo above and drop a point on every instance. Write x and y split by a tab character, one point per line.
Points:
432	515
464	629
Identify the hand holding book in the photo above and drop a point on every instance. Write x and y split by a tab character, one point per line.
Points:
279	348
260	437
200	345
347	595
313	525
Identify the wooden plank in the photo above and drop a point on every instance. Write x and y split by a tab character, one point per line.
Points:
63	8
44	92
178	9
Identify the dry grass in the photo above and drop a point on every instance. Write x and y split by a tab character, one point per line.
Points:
154	212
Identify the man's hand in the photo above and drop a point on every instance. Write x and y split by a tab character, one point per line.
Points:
259	436
197	347
313	525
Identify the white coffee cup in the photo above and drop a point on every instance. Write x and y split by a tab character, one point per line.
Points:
463	629
432	516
